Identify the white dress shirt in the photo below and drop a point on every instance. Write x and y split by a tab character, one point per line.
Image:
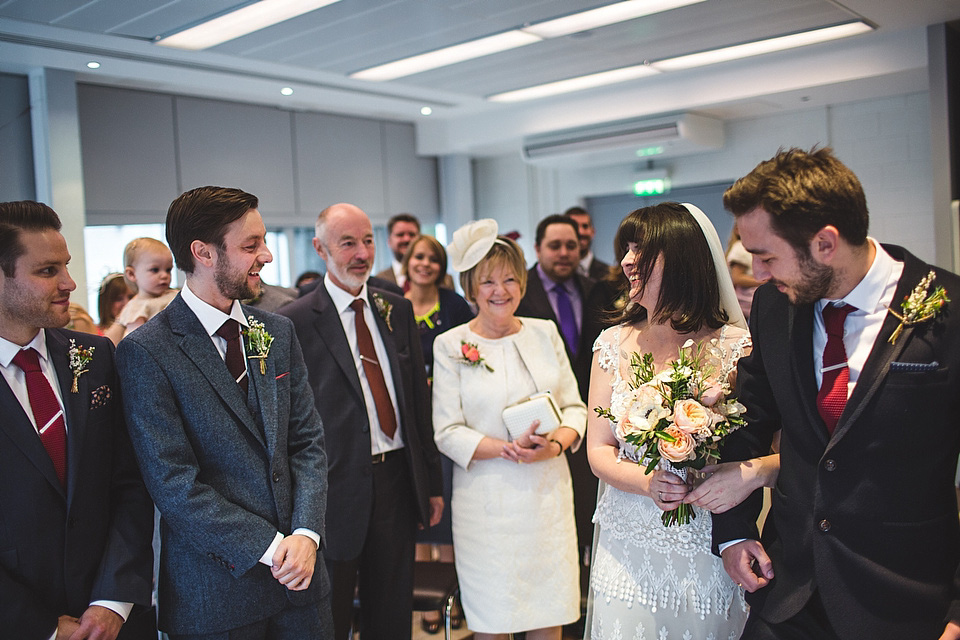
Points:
212	319
397	267
17	381
379	442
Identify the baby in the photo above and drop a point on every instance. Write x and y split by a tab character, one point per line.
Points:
148	264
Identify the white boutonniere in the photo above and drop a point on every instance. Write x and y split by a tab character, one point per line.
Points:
258	342
919	306
80	357
384	308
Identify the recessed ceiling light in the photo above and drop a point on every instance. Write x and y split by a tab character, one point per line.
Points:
425	111
247	19
93	64
286	91
575	84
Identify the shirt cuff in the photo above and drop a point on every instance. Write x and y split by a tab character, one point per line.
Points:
267	557
721	547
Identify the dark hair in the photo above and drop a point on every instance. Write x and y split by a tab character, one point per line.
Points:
437	248
555	219
204	214
803	192
402	217
112	287
689	291
307	276
576	211
23	215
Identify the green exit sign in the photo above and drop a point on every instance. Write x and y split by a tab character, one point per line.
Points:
654	187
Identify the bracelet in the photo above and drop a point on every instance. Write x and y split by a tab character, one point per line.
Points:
559	445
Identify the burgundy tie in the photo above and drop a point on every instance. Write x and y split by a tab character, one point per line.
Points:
46	411
832	397
371	367
230	331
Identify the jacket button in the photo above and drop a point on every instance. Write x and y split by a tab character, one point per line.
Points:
829	465
276	476
824	525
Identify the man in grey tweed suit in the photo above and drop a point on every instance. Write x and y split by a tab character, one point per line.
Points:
230	445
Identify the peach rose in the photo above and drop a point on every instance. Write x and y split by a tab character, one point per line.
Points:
691	416
677	451
712	395
470	352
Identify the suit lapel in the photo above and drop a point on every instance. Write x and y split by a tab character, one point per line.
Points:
537	295
198	347
328	326
800	336
16	425
75	405
265	387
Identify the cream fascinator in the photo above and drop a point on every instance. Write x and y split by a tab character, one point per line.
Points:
471	243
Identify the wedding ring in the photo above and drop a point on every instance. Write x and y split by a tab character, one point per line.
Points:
739	585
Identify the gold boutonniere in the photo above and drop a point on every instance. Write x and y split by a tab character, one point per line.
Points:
258	342
919	306
384	308
470	355
80	357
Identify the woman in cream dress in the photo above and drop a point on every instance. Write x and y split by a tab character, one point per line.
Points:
514	535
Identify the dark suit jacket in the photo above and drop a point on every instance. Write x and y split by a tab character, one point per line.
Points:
339	399
61	550
226	471
598	270
868	516
536	304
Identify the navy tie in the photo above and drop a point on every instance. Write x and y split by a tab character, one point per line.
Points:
568	322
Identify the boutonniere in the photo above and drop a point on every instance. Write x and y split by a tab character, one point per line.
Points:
919	306
258	342
384	308
80	357
470	356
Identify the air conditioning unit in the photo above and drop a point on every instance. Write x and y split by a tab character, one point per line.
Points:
626	141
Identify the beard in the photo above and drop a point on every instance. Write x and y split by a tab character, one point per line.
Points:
234	284
346	277
815	282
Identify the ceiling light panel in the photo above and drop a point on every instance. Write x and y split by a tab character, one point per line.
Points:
575	84
603	16
241	22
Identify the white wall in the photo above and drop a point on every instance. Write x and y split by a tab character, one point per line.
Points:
886	142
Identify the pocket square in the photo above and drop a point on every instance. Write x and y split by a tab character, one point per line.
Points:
100	397
914	366
283	375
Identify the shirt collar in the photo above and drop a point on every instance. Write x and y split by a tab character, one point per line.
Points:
8	350
209	316
866	296
587	259
549	284
342	299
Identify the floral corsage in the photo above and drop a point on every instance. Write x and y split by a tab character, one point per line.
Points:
80	357
919	306
258	342
384	308
470	356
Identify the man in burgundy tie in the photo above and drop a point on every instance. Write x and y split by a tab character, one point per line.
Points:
76	522
362	349
855	365
225	431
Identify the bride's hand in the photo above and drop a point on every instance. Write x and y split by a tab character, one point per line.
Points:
667	489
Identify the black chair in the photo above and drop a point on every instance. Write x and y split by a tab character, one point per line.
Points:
435	588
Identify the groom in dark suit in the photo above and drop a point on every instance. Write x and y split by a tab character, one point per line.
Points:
862	539
362	349
230	445
75	519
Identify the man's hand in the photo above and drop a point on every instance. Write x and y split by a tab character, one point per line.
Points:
436	510
96	623
293	562
738	562
66	627
952	632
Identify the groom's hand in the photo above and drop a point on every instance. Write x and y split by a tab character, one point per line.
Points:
294	561
739	559
952	632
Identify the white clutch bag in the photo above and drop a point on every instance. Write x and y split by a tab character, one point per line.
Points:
540	406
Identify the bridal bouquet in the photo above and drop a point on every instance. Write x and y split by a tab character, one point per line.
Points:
681	414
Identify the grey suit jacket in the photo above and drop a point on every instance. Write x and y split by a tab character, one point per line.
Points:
62	549
336	386
226	471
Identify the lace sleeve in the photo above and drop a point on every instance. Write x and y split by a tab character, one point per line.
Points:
606	344
732	345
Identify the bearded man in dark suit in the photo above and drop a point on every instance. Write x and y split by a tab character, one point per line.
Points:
862	539
362	349
76	522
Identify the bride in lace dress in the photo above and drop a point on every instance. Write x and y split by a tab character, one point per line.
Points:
649	581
